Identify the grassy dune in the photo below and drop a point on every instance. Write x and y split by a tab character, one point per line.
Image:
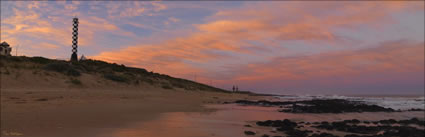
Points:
74	73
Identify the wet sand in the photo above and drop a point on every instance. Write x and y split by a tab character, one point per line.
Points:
148	113
230	121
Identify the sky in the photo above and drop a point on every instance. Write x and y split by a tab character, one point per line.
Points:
280	47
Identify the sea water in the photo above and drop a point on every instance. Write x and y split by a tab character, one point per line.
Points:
394	102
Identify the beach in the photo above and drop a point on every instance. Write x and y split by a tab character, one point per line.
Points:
231	120
36	113
137	113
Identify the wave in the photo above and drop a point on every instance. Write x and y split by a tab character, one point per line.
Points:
397	103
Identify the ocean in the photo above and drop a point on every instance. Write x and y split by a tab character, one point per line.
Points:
400	102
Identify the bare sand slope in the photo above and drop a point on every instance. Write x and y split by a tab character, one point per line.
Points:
38	103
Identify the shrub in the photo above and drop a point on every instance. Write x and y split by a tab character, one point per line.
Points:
6	72
39	60
57	66
150	81
62	67
116	78
118	68
16	66
167	87
189	88
179	85
73	72
12	58
140	71
76	82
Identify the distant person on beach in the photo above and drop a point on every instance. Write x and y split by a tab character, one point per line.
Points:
233	89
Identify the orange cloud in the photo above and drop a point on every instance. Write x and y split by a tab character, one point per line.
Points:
228	31
306	21
53	30
45	46
226	26
389	57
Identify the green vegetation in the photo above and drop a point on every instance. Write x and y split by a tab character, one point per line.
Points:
109	71
5	72
167	87
76	82
117	78
62	67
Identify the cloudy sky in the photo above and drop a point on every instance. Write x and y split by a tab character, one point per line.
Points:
285	47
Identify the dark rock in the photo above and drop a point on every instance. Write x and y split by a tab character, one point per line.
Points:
320	106
336	106
282	124
412	121
323	135
351	126
297	133
388	122
353	121
416	109
249	133
262	103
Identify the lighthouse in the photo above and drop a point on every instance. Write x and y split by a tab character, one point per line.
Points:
74	56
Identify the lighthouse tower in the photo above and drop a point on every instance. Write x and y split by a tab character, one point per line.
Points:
74	56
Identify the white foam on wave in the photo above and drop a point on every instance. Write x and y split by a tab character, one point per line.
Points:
397	103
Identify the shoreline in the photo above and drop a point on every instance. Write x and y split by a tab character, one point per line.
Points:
233	120
148	112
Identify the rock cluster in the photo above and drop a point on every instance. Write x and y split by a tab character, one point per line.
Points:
352	128
382	128
286	126
319	106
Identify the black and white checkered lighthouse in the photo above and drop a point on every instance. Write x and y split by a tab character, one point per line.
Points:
74	56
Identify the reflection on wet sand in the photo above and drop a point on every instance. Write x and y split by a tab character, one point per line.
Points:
170	124
230	121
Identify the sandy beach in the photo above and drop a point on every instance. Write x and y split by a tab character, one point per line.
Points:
36	113
139	113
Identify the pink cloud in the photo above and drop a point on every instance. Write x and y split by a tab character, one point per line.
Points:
394	57
228	30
